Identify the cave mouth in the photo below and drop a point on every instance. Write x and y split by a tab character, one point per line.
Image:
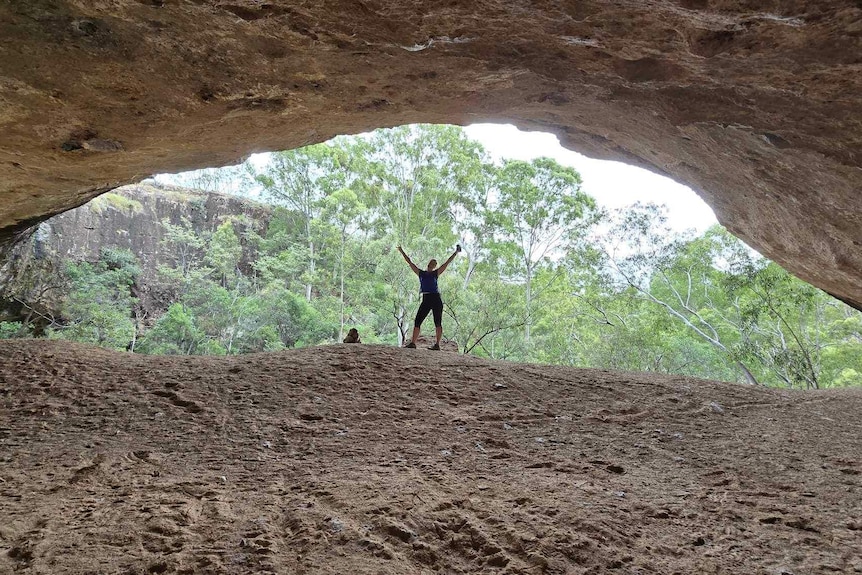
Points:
302	251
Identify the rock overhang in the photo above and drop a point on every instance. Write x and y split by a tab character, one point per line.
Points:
756	106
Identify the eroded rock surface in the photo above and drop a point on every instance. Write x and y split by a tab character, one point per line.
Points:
369	459
756	105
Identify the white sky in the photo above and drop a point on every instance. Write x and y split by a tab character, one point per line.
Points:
612	184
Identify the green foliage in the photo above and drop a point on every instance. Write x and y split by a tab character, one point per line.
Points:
99	306
296	323
175	333
411	177
539	210
490	310
544	275
224	252
13	329
118	202
182	241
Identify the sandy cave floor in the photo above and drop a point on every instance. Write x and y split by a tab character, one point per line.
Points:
374	460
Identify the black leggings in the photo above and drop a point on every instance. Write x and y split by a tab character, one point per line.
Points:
430	302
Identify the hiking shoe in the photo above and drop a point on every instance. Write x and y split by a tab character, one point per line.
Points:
411	345
435	346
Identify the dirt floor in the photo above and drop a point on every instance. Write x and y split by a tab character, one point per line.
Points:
375	460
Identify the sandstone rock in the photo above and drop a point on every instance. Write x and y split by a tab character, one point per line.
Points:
424	342
756	106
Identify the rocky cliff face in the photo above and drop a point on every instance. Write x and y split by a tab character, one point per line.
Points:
756	105
128	218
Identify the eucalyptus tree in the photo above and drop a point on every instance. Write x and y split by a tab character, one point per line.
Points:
787	320
676	273
224	252
176	333
300	180
342	211
581	314
184	243
538	208
413	177
471	223
476	315
843	360
277	260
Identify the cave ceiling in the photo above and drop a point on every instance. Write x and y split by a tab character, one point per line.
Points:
755	105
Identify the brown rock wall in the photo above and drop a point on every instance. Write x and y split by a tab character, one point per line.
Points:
756	105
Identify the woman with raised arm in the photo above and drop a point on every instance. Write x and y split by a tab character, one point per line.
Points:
431	300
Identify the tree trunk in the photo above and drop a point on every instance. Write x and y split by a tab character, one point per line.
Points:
471	265
749	377
341	328
529	304
310	271
713	341
401	329
310	260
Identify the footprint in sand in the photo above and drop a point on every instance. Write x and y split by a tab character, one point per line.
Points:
175	399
